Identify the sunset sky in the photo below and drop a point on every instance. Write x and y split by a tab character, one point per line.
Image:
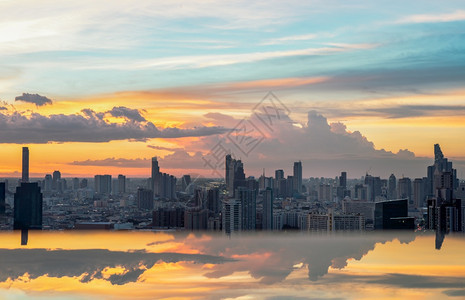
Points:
93	87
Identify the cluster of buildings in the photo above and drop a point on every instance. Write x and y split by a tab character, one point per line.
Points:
239	203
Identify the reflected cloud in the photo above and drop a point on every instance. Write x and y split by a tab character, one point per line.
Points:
89	264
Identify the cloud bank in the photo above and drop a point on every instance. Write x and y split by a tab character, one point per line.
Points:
89	126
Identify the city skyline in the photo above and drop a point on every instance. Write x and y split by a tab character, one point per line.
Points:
171	80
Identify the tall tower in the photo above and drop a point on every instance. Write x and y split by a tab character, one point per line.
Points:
267	223
298	176
28	206
155	176
25	174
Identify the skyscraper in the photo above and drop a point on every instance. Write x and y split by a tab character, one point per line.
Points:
441	165
392	187
2	197
343	180
298	177
248	201
268	197
25	173
404	190
155	176
419	192
28	206
234	174
102	184
232	219
121	184
56	178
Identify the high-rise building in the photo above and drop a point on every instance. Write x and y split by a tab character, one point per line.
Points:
213	200
297	177
25	173
392	187
232	218
441	165
55	179
234	175
144	199
373	185
121	184
155	176
343	180
324	193
48	182
248	201
2	197
404	190
28	206
267	219
419	192
102	184
185	182
393	214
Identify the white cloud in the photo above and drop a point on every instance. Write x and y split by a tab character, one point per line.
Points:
458	15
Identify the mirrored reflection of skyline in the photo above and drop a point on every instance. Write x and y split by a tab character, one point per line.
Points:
181	265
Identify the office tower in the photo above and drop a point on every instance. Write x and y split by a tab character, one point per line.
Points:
121	184
343	180
297	177
364	208
156	176
25	173
278	174
48	181
213	200
56	177
441	165
168	218
28	206
144	199
361	192
248	201
373	185
232	218
324	193
318	222
392	187
404	190
268	199
234	175
445	216
419	192
102	184
196	219
393	214
2	197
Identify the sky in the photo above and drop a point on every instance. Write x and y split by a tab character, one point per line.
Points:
356	86
167	265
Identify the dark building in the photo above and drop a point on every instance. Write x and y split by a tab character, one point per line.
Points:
373	185
168	218
392	187
102	184
248	201
267	213
392	214
297	184
343	180
196	219
121	184
441	165
234	174
56	178
445	215
213	200
2	197
28	206
25	173
144	199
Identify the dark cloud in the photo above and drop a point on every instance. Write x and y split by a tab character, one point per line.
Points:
3	108
128	113
36	99
455	293
89	264
115	162
89	126
409	111
164	148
